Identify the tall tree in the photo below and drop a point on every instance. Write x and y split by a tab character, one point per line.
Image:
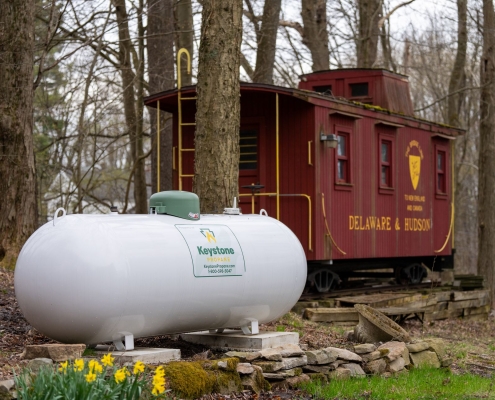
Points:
185	34
161	77
267	41
18	208
132	105
454	108
216	169
486	197
370	13
315	33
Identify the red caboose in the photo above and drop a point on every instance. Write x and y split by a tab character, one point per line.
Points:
345	164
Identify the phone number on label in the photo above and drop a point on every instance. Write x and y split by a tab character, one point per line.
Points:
220	271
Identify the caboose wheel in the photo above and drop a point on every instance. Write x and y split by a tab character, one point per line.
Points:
323	280
411	274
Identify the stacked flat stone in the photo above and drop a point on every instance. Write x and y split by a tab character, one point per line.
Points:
281	366
429	352
288	365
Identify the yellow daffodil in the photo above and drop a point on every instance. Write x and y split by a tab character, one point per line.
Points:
63	366
95	366
158	381
121	374
107	360
90	377
78	364
138	368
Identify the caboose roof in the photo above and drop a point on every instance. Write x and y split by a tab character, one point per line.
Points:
168	103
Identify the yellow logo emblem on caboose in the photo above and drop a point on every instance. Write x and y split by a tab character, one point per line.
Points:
415	155
209	235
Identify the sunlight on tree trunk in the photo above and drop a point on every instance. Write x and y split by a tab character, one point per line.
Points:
18	207
216	169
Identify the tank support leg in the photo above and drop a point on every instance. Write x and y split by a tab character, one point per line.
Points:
216	330
127	345
249	326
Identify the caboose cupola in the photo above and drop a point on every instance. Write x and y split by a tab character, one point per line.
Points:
377	87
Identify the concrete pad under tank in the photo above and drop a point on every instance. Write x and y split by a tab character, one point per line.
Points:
236	340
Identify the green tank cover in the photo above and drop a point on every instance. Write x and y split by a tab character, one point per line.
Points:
177	203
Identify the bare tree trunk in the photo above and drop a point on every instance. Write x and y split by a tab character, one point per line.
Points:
185	34
486	197
161	77
370	12
458	76
265	54
135	134
216	169
315	33
457	81
18	208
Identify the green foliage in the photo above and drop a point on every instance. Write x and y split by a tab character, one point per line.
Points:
189	379
425	384
82	381
197	378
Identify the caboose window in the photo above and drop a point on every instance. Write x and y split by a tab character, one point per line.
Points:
343	158
386	163
326	89
248	143
359	89
441	180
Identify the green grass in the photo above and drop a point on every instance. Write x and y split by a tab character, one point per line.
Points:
424	384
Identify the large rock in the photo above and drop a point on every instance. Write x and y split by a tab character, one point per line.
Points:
342	354
269	366
317	369
356	370
6	389
280	375
245	369
244	356
397	365
271	354
57	352
438	346
340	373
294	362
374	355
425	359
417	347
395	350
375	367
290	350
297	380
318	357
38	363
364	348
255	381
406	357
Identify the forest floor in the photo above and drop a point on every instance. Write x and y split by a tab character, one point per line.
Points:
471	344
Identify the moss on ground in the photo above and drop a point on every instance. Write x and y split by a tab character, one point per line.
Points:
192	379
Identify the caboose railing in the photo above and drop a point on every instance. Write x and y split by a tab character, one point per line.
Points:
278	195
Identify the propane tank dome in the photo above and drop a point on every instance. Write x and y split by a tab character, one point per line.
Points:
177	203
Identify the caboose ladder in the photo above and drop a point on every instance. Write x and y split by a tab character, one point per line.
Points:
180	99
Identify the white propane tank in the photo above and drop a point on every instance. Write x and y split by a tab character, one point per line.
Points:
97	278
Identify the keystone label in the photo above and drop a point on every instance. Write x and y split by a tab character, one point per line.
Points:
214	249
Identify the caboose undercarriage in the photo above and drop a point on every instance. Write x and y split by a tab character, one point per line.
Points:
325	276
